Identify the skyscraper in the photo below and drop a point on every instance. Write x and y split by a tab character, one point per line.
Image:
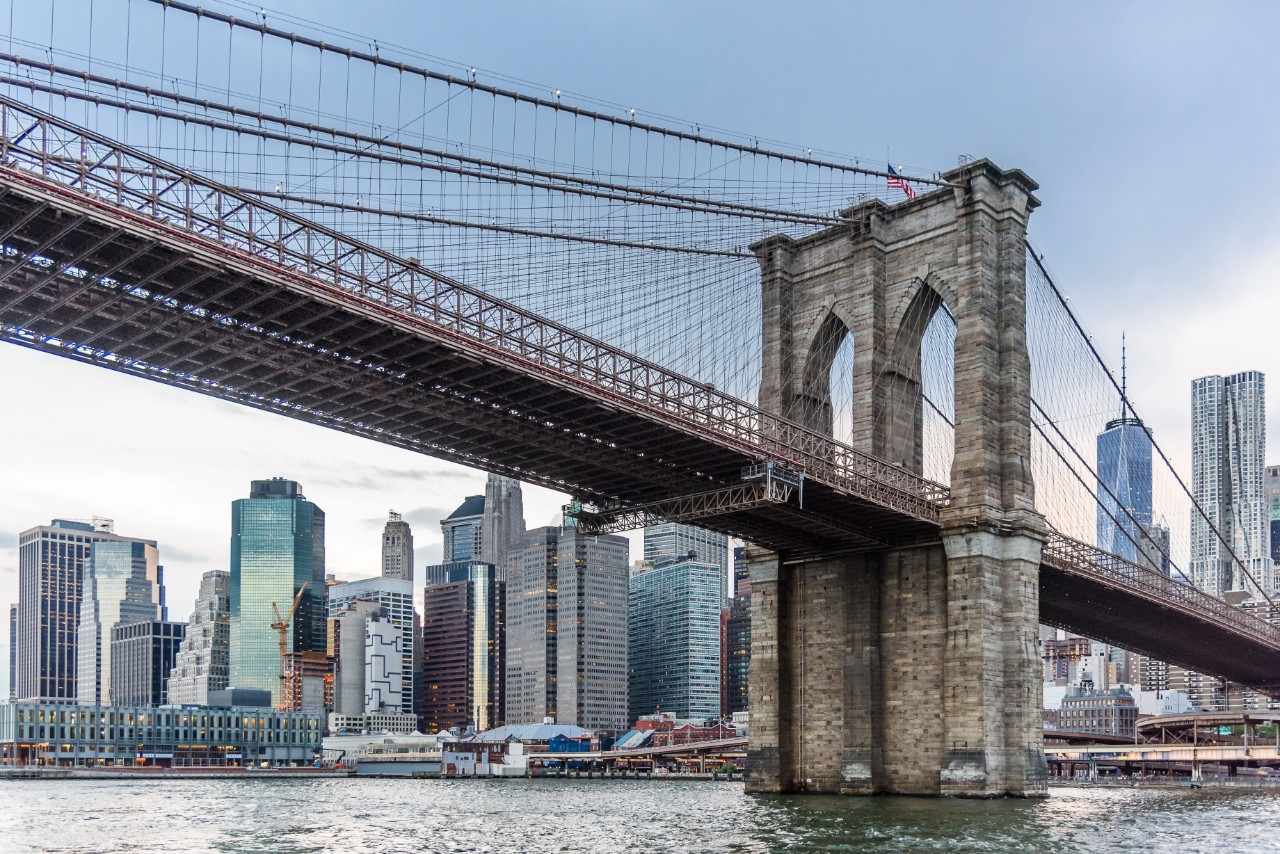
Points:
51	561
123	583
13	652
567	629
502	527
671	539
395	599
738	639
463	531
349	681
463	646
673	640
203	661
397	548
1124	484
277	546
1228	423
1271	487
142	656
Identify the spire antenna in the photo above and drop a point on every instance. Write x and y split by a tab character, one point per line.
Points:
1124	377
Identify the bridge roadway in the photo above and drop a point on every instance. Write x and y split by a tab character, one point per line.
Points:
113	258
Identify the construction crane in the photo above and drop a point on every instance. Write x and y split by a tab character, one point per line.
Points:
281	625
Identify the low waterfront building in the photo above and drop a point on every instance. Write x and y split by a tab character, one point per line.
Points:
256	698
485	759
371	723
55	734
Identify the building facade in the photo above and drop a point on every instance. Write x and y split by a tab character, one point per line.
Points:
384	660
348	623
463	647
55	734
277	553
142	656
1124	487
567	630
1228	422
13	651
203	662
1271	489
1107	712
672	539
51	561
395	597
397	548
736	658
308	682
123	583
502	527
673	639
463	531
531	617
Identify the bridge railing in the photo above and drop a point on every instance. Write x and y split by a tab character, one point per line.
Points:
1083	559
278	243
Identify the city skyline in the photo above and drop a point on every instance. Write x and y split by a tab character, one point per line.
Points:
193	441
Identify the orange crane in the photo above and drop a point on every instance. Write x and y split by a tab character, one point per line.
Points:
281	625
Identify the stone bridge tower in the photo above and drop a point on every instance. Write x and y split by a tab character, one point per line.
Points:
911	670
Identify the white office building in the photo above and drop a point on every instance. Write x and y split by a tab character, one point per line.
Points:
395	599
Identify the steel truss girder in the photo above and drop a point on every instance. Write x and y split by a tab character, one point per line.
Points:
685	508
84	172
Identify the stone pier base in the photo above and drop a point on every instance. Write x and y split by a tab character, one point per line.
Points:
902	672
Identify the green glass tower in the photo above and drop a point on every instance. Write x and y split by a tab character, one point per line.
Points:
277	546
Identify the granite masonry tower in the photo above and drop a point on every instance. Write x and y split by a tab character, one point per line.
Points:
918	660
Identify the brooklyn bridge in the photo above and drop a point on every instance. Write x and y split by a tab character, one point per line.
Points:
872	379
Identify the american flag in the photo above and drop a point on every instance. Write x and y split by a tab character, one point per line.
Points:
895	180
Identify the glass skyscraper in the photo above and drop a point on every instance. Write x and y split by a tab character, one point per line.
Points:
51	564
463	646
463	530
123	584
277	546
1124	487
674	639
673	539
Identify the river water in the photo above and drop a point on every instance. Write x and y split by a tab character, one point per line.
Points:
483	816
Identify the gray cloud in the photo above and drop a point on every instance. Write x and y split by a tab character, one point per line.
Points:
168	551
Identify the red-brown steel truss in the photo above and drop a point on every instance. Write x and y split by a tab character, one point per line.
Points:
117	259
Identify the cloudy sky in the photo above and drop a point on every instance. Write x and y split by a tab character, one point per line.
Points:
1151	128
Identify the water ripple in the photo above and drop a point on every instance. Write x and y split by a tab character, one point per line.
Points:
617	817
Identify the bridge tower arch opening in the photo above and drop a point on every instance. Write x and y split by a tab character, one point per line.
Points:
911	668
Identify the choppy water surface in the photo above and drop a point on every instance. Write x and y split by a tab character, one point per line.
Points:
567	816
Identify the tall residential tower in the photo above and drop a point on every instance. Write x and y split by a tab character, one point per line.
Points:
1228	441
